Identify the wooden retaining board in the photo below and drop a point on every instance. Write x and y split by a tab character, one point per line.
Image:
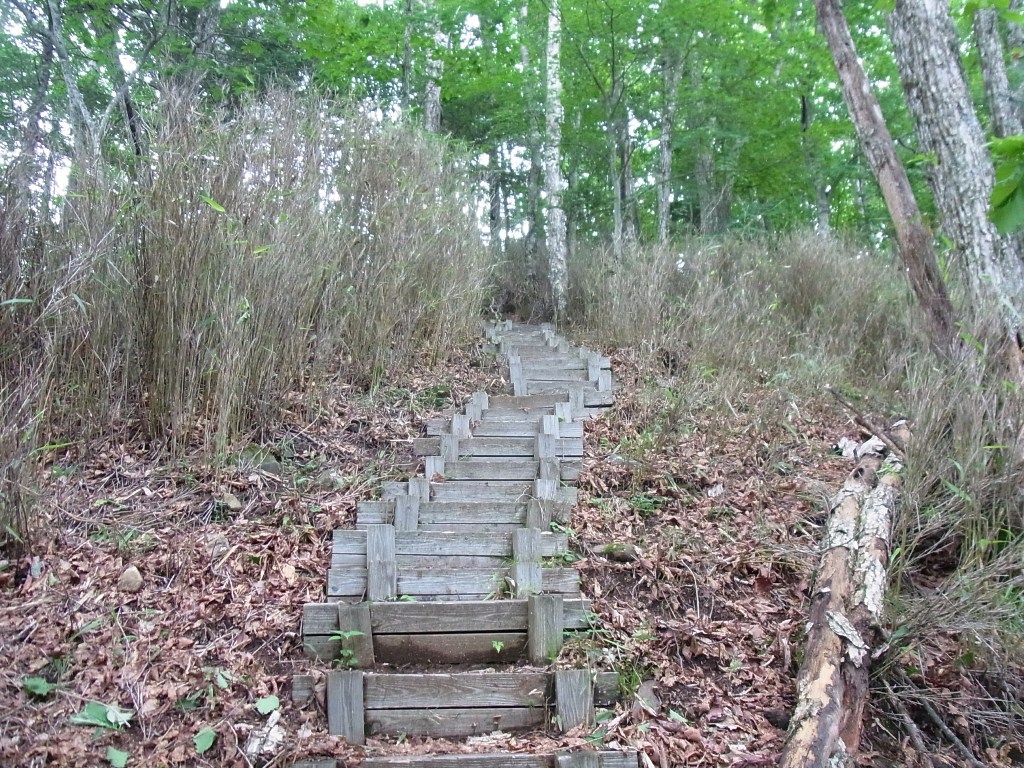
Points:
460	690
440	648
492	468
352	582
442	426
478	616
427	543
441	512
571	447
604	758
447	723
480	491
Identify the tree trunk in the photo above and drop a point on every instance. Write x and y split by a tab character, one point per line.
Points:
845	618
554	182
1005	121
914	240
533	181
672	72
925	43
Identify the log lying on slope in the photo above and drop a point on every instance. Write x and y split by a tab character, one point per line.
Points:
846	613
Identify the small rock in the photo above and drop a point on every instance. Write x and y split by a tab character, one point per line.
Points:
130	581
232	503
257	457
328	480
619	551
646	699
216	545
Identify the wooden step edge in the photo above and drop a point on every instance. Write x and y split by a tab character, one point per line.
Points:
568	759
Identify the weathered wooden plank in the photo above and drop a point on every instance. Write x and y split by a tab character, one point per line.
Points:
438	648
462	426
482	616
546	633
418	486
351	582
551	372
577	759
520	403
444	723
435	467
499	446
380	577
516	414
593	399
478	403
355	635
480	490
609	759
410	543
568	428
429	561
491	469
468	512
316	762
489	760
526	570
574	698
535	387
507	469
449	447
407	512
345	705
457	690
302	688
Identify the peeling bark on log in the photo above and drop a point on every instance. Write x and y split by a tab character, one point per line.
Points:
845	618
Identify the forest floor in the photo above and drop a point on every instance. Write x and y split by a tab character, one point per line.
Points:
723	505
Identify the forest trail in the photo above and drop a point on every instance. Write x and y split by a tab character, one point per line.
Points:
449	601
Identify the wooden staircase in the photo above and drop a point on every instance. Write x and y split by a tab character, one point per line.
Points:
466	566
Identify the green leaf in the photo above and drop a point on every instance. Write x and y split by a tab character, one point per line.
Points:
14	302
96	714
116	757
204	740
38	686
267	704
214	204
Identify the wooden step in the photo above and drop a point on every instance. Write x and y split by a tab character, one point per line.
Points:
442	515
361	704
504	468
464	632
350	584
429	543
505	428
566	759
479	490
474	447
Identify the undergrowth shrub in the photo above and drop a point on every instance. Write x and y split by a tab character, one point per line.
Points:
293	243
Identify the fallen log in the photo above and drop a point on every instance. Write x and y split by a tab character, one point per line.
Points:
846	613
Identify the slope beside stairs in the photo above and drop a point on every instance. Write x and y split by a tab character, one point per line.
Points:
460	576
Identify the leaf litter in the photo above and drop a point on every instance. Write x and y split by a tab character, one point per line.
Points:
720	507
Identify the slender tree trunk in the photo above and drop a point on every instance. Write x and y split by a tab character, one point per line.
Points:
494	222
914	240
672	72
407	58
533	182
925	42
1005	120
554	182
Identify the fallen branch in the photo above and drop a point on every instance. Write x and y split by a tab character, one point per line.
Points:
890	440
846	611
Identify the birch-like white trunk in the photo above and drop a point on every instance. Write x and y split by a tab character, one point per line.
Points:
554	182
672	72
926	46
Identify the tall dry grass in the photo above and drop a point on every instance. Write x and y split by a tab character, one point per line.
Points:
291	244
800	311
